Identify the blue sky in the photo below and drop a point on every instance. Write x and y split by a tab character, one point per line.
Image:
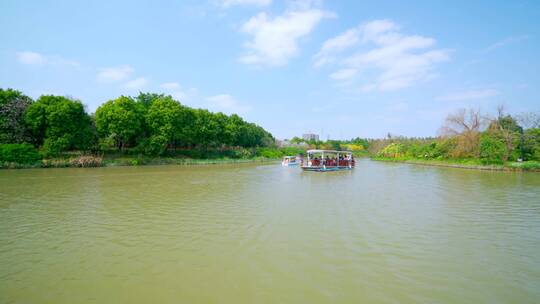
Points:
340	68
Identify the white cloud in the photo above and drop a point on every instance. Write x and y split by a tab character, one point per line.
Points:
506	41
185	96
28	57
275	40
350	38
344	74
469	95
169	85
34	58
372	30
137	83
383	53
113	74
229	3
335	45
226	103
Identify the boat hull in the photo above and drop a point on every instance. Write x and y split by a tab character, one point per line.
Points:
327	169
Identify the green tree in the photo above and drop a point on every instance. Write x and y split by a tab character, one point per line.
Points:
253	135
233	129
393	150
121	121
507	128
297	140
169	123
334	144
493	148
531	144
59	123
206	128
146	99
13	106
361	141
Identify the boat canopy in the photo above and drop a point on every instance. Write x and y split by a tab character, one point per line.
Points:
334	163
289	157
328	151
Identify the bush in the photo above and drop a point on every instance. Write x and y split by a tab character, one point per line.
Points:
393	150
531	144
241	153
444	147
157	145
85	161
269	153
526	165
54	146
492	149
107	143
292	151
55	163
19	153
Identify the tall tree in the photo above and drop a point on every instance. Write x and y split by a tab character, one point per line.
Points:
169	123
465	125
206	128
509	131
120	120
531	144
59	124
13	105
146	99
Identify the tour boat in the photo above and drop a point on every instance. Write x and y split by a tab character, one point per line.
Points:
290	161
328	160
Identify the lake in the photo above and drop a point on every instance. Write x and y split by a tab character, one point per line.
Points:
261	233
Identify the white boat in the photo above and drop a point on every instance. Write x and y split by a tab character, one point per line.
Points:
290	161
328	160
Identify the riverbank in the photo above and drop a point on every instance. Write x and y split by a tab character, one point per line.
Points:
531	166
107	161
154	161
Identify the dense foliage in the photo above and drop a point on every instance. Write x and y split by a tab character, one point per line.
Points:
358	145
119	122
13	106
502	139
155	124
150	124
18	153
60	124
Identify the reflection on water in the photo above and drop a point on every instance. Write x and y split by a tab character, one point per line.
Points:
263	233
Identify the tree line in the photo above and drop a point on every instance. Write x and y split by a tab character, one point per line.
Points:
469	134
149	123
157	124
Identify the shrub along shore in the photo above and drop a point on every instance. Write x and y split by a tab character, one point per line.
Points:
533	166
82	160
470	139
89	161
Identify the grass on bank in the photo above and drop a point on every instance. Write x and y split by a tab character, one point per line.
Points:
89	161
29	158
465	163
14	156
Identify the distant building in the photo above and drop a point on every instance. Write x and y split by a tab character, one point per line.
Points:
310	136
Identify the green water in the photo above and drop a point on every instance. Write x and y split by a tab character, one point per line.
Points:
383	233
